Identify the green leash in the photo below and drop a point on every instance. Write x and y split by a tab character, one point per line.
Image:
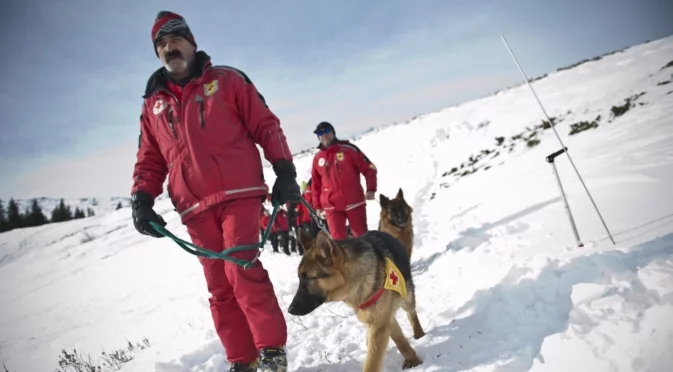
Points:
224	255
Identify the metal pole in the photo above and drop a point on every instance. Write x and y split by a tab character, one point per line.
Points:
550	160
557	136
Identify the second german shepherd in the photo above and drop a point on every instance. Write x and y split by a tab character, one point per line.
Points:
371	274
396	219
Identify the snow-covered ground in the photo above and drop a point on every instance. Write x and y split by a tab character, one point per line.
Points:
501	284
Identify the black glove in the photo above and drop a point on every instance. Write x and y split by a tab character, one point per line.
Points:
143	213
285	189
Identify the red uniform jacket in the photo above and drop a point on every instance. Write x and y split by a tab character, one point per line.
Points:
335	177
204	139
264	223
303	214
280	223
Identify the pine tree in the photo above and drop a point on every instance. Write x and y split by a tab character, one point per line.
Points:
67	214
78	213
34	215
3	220
90	212
119	206
14	218
61	213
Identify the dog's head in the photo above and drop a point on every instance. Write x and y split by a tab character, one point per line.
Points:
396	211
320	273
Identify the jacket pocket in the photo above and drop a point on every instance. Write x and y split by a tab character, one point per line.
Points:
171	125
218	171
202	113
180	193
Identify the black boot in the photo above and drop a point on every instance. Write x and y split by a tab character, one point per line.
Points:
244	367
272	360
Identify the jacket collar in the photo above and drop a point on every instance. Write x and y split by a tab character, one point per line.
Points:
159	78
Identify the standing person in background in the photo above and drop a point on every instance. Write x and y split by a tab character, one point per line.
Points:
304	219
336	187
282	231
292	217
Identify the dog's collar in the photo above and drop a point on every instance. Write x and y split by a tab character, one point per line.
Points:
372	300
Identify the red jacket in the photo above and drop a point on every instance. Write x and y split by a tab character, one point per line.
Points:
280	223
303	214
335	177
264	223
205	141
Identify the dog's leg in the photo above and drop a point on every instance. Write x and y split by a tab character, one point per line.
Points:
409	305
377	343
409	354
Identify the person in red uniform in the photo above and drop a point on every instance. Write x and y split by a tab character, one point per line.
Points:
264	223
304	219
336	187
294	226
199	126
283	231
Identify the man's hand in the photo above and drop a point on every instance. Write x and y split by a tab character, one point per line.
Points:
321	213
370	195
285	189
143	213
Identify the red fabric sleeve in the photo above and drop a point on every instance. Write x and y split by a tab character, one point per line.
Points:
150	170
367	168
316	186
261	123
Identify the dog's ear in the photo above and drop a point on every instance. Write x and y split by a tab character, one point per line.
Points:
400	194
384	201
304	238
327	248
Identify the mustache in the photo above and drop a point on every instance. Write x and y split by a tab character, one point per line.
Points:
172	55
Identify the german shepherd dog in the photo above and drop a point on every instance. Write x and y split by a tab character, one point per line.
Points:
371	274
396	219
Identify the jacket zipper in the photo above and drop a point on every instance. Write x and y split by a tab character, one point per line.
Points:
202	118
170	123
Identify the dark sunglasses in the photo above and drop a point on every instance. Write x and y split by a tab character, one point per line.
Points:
323	132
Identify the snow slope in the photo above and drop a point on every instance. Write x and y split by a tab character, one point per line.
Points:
501	284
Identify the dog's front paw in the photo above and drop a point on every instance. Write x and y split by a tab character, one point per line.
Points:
418	335
411	363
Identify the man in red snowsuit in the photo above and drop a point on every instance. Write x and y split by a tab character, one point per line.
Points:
336	187
199	125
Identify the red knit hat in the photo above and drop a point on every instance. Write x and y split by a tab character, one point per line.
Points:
170	23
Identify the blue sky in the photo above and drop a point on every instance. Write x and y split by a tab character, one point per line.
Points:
74	71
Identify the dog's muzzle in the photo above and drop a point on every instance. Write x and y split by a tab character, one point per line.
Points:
304	302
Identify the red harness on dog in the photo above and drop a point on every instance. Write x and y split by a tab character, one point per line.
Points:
394	280
372	300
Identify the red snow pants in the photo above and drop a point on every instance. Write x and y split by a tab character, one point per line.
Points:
357	219
243	304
